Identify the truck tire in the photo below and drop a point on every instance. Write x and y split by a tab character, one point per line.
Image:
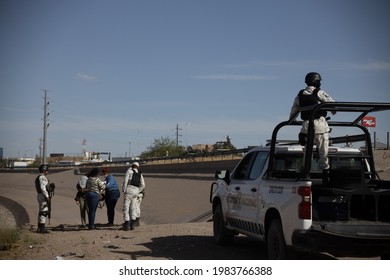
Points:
276	245
222	235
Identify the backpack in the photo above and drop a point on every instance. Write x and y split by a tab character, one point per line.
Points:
135	179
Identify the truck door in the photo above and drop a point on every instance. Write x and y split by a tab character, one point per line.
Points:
243	193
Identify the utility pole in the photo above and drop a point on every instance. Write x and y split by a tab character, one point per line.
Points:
187	124
177	134
45	126
40	148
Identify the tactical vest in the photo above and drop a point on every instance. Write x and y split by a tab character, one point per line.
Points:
38	184
135	179
306	100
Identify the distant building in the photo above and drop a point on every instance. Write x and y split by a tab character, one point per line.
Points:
19	164
201	147
57	155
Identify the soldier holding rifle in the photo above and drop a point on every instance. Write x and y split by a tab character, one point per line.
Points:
45	192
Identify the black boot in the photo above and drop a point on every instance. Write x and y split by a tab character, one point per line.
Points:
42	229
136	222
131	224
325	176
126	226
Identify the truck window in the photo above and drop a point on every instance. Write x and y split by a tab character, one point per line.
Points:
288	163
347	162
258	165
243	169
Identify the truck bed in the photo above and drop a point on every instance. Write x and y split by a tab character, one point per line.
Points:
350	195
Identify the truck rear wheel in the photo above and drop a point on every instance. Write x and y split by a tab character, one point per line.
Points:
276	245
222	235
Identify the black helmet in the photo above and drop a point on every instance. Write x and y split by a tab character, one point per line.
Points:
313	79
43	167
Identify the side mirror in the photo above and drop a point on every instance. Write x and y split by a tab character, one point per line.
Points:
223	175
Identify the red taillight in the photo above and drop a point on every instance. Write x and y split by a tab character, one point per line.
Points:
304	208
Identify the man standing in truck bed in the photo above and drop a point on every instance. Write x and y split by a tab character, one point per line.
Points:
310	96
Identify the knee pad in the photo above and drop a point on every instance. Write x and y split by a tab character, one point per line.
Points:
43	213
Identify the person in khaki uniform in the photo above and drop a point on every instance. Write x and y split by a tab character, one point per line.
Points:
310	96
133	185
42	186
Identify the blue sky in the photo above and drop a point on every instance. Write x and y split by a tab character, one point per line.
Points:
130	71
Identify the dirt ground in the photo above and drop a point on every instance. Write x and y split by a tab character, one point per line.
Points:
185	241
168	210
175	224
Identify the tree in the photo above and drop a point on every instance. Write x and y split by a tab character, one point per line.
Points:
163	146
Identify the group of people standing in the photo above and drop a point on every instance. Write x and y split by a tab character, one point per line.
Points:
92	191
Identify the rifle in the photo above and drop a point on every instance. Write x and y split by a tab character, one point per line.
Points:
52	186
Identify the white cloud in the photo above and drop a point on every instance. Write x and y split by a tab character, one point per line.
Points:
373	65
286	64
369	65
85	77
236	77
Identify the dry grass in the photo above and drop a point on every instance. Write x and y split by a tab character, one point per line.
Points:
8	237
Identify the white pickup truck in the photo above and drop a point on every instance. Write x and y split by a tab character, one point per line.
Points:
277	193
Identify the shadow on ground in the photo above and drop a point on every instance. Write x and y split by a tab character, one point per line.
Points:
197	248
204	248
